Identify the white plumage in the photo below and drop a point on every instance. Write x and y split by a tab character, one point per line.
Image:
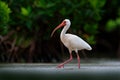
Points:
72	42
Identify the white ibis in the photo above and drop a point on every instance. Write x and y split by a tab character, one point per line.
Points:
71	41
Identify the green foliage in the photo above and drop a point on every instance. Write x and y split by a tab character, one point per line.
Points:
112	24
51	12
97	3
97	6
91	39
25	11
26	16
84	15
118	21
91	28
4	17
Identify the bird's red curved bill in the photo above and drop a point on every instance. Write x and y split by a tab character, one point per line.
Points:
59	26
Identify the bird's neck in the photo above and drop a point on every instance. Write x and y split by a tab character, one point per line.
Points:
64	30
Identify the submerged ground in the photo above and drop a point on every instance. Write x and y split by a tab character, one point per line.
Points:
91	70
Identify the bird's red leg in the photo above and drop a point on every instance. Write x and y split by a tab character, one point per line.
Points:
78	58
62	64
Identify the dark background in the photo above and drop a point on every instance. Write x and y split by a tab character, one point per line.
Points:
26	25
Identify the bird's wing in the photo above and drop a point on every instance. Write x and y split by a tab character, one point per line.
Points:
77	42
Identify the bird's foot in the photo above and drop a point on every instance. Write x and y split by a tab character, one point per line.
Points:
60	66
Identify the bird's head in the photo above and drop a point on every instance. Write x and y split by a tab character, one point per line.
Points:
64	23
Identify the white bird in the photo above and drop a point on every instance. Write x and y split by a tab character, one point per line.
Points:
71	41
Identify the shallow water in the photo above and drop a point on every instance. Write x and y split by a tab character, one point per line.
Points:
95	70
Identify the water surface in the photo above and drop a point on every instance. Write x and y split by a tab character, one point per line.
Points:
95	70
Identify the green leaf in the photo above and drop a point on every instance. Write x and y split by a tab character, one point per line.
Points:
91	39
111	25
4	17
4	12
63	11
40	3
118	21
26	11
91	28
97	3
